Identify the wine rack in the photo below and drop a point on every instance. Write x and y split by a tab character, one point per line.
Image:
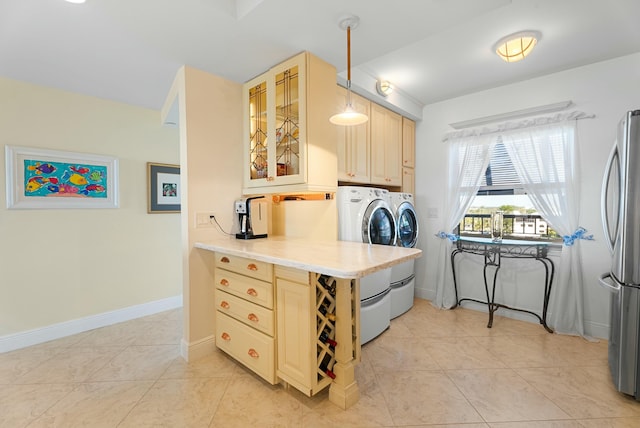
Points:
325	308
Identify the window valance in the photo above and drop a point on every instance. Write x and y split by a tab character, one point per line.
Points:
517	125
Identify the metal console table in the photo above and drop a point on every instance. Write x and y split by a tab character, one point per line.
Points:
493	253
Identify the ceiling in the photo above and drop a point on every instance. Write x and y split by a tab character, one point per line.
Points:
431	50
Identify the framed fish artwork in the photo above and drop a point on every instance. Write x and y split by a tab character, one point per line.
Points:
42	178
163	188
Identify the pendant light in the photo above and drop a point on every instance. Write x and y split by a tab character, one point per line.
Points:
349	116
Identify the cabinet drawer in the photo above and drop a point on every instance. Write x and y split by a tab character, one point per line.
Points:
250	347
292	274
250	289
244	266
250	314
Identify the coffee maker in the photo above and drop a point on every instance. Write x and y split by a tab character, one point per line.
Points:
252	217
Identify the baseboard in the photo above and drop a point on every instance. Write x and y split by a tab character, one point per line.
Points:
56	331
424	293
198	349
596	329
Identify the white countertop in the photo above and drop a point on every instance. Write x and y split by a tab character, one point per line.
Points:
341	259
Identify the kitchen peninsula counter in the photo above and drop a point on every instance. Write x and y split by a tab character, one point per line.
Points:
311	279
341	259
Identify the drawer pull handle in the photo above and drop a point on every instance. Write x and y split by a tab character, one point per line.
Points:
252	267
224	305
225	336
253	353
224	282
252	292
224	260
253	317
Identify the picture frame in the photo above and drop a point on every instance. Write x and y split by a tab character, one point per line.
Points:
163	188
53	179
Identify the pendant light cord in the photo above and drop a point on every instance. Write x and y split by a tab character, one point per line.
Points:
349	116
349	55
349	66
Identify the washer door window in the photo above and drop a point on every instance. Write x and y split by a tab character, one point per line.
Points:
407	226
378	224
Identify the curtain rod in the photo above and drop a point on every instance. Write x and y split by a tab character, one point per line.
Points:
521	124
547	108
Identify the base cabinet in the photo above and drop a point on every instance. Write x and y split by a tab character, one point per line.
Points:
245	313
295	329
305	354
280	322
250	347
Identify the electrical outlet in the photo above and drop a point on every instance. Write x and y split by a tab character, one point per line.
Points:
205	219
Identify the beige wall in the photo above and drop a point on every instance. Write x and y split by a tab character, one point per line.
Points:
210	114
61	265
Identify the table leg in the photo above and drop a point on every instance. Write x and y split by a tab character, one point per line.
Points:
549	269
491	297
344	390
455	282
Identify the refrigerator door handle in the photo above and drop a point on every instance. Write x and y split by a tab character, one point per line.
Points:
602	280
604	196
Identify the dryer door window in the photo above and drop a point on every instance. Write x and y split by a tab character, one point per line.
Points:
378	225
407	226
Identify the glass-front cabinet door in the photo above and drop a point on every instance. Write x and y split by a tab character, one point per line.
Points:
258	154
275	105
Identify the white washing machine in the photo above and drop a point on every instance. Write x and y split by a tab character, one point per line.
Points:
403	275
364	215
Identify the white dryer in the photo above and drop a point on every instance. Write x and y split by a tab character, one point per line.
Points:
364	215
403	275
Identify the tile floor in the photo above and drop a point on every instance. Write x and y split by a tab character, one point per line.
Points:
431	368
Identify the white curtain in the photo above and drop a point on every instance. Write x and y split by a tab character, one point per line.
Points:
468	159
546	160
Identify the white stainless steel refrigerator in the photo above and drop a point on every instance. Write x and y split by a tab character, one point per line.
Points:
621	223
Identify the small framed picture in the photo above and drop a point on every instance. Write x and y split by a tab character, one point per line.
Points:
163	183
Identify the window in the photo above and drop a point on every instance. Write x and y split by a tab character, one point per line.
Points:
502	190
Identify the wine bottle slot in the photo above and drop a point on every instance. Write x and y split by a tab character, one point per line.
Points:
324	310
324	338
324	367
328	283
329	373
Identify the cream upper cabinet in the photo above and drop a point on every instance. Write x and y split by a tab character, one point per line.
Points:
408	181
289	141
353	142
386	146
408	155
408	143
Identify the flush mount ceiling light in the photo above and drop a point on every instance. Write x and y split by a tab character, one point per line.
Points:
75	1
384	87
349	116
517	46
